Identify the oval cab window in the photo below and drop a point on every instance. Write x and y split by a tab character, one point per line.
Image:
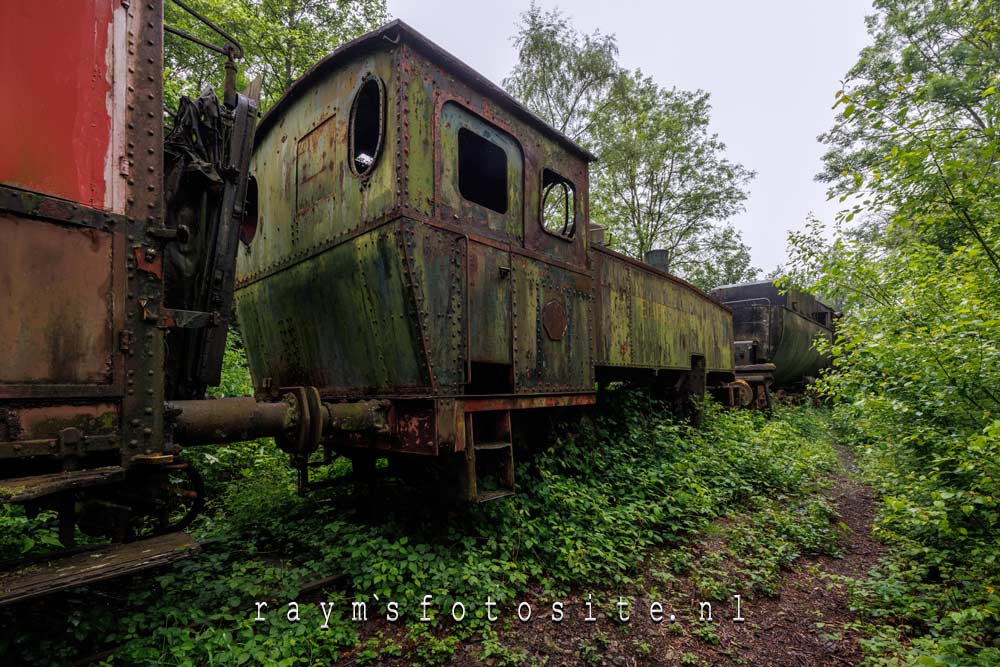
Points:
558	205
367	125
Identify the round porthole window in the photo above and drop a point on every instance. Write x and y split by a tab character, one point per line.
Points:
367	125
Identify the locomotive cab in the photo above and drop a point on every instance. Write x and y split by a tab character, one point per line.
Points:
421	240
422	249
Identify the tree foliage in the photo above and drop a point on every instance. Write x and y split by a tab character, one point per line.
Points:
722	258
561	74
662	180
918	361
281	38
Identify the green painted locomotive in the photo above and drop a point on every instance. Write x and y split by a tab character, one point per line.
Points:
413	270
422	253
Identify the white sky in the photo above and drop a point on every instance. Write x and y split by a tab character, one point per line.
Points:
772	67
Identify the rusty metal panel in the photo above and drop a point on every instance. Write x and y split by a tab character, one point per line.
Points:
510	223
794	353
56	297
782	337
489	280
142	342
310	198
560	359
547	155
56	65
419	110
34	423
315	161
436	104
343	321
382	313
647	319
436	262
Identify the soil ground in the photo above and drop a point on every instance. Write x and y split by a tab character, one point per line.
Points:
803	624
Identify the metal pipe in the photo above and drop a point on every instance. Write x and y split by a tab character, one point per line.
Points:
207	21
224	420
291	420
197	40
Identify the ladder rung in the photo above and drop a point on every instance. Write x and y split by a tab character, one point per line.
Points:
492	445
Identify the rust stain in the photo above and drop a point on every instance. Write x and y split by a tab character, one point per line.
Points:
554	319
59	282
47	421
148	260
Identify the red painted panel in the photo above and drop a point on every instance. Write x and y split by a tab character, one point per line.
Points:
55	122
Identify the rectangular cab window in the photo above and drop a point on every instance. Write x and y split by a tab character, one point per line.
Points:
482	171
480	175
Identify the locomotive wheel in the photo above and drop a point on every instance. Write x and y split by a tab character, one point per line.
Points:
742	393
177	496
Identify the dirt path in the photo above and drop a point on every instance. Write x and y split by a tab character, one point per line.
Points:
778	631
783	631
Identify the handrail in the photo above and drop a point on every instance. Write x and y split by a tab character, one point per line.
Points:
759	298
208	22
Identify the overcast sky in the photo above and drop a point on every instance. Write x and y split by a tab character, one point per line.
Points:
771	66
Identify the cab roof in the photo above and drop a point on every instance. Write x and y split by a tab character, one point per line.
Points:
394	32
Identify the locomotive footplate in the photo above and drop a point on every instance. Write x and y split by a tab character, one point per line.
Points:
93	565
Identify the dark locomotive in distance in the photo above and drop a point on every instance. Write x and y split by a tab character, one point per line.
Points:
412	263
775	331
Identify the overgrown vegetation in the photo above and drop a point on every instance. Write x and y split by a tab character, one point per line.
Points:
602	501
915	150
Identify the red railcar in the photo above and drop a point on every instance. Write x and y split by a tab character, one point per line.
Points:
91	343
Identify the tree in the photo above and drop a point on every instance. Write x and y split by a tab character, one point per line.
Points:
561	74
916	359
917	111
721	258
662	180
281	38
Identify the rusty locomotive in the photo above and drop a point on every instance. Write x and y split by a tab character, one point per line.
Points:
408	250
775	332
423	247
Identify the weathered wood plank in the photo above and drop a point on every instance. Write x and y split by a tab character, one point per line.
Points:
92	566
20	489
